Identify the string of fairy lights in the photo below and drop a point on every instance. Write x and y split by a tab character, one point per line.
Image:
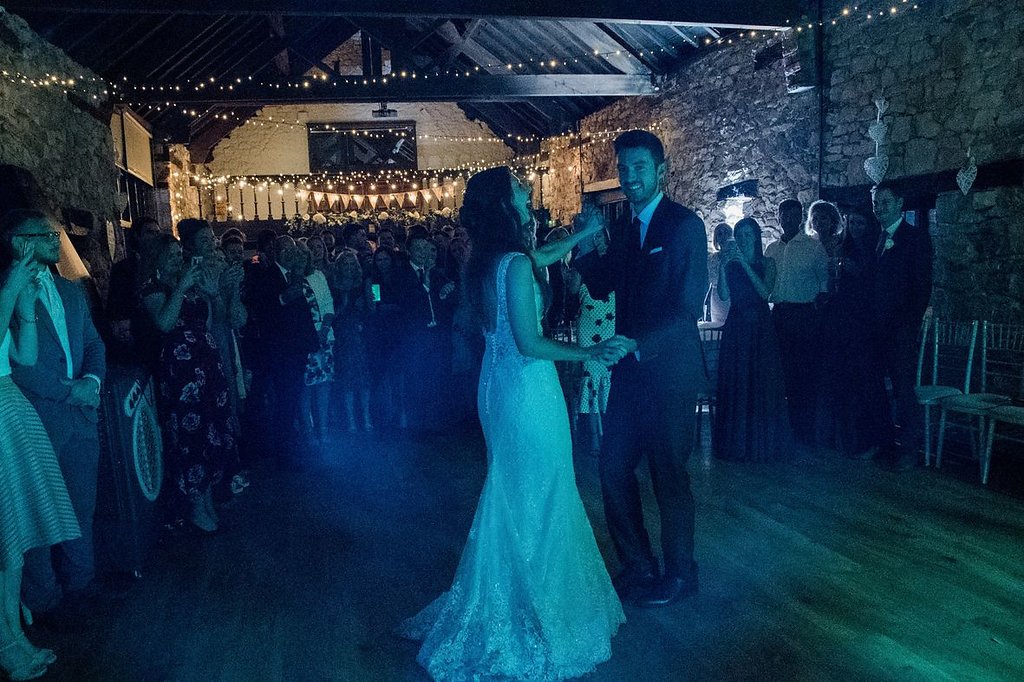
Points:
96	88
388	185
399	180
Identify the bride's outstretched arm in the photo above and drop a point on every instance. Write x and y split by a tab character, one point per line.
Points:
522	317
589	224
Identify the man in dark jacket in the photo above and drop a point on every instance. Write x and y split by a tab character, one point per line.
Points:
656	264
903	286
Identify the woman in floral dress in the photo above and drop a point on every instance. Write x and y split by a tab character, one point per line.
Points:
199	431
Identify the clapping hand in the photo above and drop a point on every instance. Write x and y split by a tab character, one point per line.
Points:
446	290
189	277
231	277
588	224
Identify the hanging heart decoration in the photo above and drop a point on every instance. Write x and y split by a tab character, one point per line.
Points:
966	176
876	166
877	131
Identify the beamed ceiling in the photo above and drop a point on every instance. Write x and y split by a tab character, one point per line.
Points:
602	51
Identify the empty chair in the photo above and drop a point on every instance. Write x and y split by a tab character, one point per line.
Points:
1009	363
949	347
711	339
992	388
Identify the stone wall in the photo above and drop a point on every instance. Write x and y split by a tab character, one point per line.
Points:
721	122
268	149
68	151
64	141
177	198
951	72
979	248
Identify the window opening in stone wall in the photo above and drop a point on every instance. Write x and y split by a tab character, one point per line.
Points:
345	147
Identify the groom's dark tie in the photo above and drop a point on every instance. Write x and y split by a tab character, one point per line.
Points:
635	231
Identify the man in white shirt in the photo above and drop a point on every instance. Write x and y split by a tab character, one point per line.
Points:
64	388
802	266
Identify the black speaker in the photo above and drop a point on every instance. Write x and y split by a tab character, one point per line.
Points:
131	472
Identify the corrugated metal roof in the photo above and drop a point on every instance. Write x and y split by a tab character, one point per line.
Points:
178	48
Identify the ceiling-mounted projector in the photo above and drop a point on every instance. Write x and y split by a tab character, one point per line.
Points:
384	112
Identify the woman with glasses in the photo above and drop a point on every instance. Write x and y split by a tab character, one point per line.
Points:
35	510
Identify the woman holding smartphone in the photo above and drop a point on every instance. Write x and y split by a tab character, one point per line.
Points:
752	423
200	429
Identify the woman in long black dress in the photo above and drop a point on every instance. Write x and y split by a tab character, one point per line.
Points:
752	422
199	430
854	414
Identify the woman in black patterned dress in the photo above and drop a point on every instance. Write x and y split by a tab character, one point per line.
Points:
199	431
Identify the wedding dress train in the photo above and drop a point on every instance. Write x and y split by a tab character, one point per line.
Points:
531	599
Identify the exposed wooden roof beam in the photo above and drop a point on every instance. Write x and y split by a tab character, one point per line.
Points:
123	52
626	46
588	37
683	34
198	40
480	88
446	60
724	13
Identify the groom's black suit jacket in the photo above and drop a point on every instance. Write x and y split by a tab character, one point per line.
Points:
659	288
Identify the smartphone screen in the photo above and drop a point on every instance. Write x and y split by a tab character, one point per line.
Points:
375	290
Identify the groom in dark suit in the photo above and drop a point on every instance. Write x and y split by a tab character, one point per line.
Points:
64	388
656	264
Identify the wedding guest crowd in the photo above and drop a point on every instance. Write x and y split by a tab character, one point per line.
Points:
273	351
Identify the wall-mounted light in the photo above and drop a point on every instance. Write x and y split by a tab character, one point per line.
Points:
732	198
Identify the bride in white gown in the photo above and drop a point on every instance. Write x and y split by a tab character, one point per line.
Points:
531	599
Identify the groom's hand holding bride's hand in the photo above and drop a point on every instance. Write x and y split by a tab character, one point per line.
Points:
610	351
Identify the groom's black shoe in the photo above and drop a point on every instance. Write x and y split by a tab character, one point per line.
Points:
632	583
667	591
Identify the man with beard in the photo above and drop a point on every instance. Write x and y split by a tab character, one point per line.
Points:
64	388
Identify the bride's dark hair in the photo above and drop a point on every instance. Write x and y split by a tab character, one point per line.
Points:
495	228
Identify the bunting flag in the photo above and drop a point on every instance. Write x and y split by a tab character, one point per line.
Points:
411	199
332	198
373	200
357	199
343	201
318	197
426	195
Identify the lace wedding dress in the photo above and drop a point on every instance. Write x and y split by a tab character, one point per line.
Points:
531	599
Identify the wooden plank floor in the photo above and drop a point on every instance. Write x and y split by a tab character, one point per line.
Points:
833	570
